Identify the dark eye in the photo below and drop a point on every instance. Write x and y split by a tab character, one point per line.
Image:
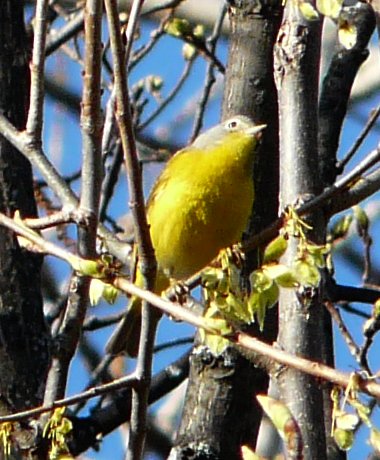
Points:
233	124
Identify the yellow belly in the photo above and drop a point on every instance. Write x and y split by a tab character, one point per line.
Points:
191	224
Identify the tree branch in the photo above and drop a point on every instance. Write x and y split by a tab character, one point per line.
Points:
147	264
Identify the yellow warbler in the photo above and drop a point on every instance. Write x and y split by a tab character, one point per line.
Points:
199	204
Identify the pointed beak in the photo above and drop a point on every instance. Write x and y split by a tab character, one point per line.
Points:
256	130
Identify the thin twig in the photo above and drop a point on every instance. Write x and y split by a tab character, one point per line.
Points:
66	33
353	310
364	188
315	369
111	177
163	6
122	383
35	154
45	246
131	28
35	114
367	241
147	47
170	97
358	142
210	74
202	48
353	348
108	144
52	220
371	328
173	343
347	181
68	179
126	133
99	373
368	162
93	323
54	180
113	413
63	95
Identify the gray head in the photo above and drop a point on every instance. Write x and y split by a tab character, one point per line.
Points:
239	123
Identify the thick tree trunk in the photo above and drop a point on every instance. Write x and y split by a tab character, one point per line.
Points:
301	318
23	335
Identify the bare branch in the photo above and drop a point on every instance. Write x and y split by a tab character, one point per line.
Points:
92	121
67	32
358	142
55	181
337	86
146	254
71	325
210	76
353	348
182	79
123	382
34	121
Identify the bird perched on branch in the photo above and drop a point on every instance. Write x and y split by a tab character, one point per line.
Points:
200	204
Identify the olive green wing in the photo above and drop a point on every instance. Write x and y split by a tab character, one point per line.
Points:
178	165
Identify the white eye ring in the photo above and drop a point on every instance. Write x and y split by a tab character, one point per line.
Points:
233	124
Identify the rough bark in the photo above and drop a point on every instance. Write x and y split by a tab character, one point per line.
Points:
301	318
23	336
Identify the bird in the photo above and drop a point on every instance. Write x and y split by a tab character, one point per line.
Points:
200	203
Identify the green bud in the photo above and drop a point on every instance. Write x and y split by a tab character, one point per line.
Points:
189	51
306	274
86	267
308	11
376	308
199	31
346	421
341	227
374	439
179	28
154	83
344	438
361	219
280	415
330	8
275	249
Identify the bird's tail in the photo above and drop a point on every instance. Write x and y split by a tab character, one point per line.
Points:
126	336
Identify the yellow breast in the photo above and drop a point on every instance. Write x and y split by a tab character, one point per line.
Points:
200	204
